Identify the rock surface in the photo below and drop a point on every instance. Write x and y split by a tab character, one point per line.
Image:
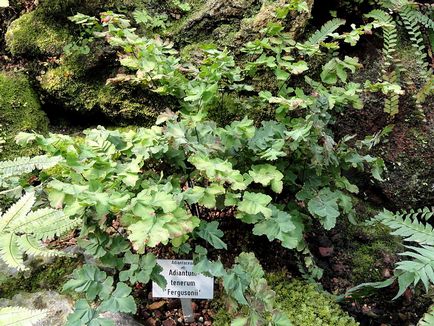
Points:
57	305
58	308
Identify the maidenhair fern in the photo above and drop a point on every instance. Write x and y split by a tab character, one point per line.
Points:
18	316
22	229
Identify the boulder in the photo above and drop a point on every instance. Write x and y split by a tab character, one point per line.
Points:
58	306
20	110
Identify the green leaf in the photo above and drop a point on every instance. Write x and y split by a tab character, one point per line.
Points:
240	321
212	234
325	206
299	67
153	230
267	174
120	300
282	226
141	268
88	279
254	203
10	253
83	314
235	283
19	316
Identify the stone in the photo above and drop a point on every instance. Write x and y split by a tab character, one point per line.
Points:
169	322
150	321
157	305
121	319
58	306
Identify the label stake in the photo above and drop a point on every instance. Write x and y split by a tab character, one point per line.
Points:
187	310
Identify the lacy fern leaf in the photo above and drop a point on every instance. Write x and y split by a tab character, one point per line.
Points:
10	253
420	269
46	223
22	165
326	30
19	316
21	231
428	318
392	67
411	24
408	226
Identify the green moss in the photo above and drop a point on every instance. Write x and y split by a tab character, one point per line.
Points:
61	9
126	102
305	305
32	35
374	251
49	276
232	107
20	110
302	303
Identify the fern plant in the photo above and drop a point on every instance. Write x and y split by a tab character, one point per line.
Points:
21	231
407	13
428	318
325	31
21	165
392	67
413	227
19	316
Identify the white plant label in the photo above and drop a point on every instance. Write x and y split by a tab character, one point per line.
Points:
182	282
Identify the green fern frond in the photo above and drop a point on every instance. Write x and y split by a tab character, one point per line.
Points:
31	246
390	34
422	19
408	226
53	227
17	211
428	318
21	231
392	67
18	316
326	30
426	90
41	222
411	24
22	165
424	213
381	17
10	253
391	103
420	269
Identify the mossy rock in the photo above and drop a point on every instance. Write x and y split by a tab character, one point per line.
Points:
125	103
61	9
301	302
206	16
57	306
369	260
49	275
32	35
20	110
